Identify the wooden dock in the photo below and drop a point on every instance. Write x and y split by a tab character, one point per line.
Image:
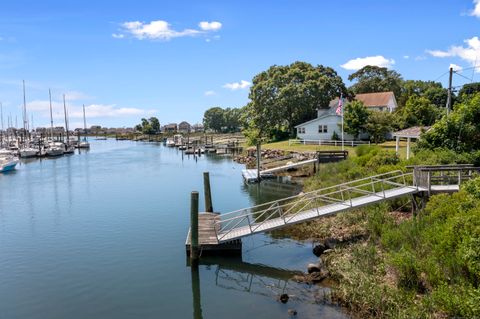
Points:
207	238
251	175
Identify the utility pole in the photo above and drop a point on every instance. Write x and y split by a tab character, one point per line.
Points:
449	98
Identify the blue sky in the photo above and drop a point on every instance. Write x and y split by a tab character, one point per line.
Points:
130	59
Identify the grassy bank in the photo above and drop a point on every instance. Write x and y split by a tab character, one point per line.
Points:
391	264
284	146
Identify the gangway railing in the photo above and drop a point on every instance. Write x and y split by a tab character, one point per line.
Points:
306	206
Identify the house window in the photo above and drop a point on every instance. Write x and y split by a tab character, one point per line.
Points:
301	130
322	129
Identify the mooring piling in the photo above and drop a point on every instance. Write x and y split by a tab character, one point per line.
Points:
208	193
194	227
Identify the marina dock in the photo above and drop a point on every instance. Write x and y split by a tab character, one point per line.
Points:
207	238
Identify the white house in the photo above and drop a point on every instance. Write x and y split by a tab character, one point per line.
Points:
328	122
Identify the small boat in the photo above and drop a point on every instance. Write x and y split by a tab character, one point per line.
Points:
55	149
69	149
7	163
28	152
83	144
170	143
182	148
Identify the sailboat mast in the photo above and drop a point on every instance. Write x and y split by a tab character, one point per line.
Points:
66	123
84	120
1	115
51	115
24	111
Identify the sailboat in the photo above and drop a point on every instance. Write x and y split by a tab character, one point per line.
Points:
53	148
26	151
84	143
69	149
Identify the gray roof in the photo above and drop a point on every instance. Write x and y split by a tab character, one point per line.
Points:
413	132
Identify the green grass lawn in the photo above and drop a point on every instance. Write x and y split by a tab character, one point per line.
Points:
390	145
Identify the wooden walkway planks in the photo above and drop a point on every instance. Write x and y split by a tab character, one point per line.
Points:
250	175
207	238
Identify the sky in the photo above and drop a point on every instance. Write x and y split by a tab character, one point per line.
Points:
125	60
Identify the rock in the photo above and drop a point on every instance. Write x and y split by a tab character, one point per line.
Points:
317	276
311	268
283	298
319	249
292	312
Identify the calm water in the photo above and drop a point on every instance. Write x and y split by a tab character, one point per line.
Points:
101	235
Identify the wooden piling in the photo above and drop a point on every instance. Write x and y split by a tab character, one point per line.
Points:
259	155
194	227
208	193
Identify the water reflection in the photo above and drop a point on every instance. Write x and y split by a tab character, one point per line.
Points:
271	189
233	274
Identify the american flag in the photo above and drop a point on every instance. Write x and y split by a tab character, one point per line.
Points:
340	106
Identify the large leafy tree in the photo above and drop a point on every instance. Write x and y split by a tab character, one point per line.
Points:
419	111
434	91
371	79
469	89
284	96
155	124
355	117
378	125
150	126
232	119
214	119
458	131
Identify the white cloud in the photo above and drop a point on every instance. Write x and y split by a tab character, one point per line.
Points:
156	30
476	11
237	85
358	63
210	26
210	93
455	67
469	53
406	57
42	107
420	58
162	30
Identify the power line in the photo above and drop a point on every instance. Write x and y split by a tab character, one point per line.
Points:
463	76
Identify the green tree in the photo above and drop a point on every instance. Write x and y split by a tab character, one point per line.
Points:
214	119
155	124
355	117
284	96
419	111
434	91
378	125
469	89
232	119
371	79
458	131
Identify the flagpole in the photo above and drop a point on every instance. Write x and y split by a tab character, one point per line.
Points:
343	107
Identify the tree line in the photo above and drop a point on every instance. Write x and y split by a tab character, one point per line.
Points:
285	96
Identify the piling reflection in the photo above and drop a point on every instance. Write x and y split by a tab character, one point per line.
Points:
233	274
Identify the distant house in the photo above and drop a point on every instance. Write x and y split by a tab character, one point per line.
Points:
184	127
197	127
328	121
170	128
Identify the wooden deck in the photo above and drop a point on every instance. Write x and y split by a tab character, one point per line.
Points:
250	175
207	238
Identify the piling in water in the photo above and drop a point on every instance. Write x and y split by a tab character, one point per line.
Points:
208	193
194	227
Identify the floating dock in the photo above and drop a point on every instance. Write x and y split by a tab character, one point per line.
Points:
207	238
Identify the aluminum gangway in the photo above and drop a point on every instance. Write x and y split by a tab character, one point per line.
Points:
311	205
